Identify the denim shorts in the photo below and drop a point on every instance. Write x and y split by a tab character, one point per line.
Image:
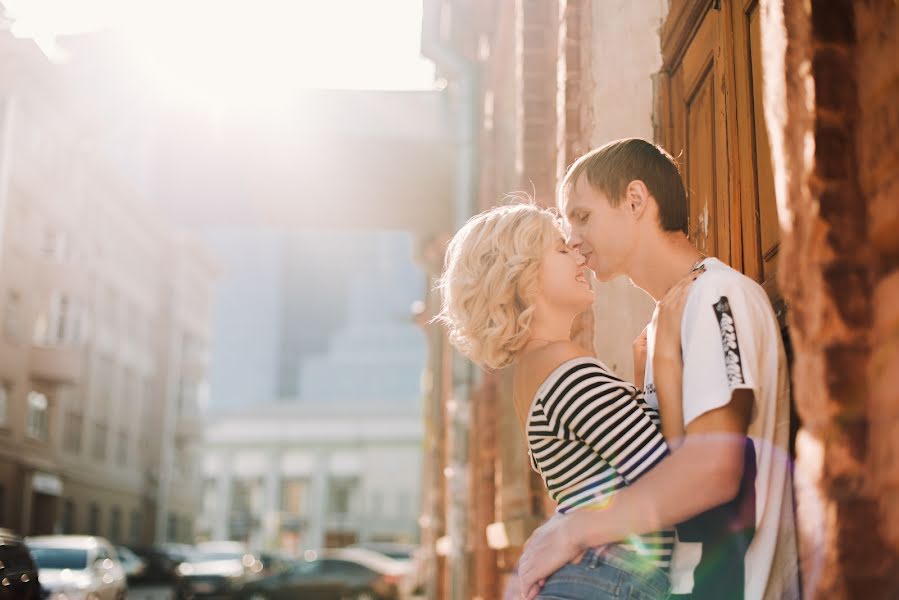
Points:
609	572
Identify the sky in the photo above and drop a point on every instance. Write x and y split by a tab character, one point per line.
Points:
229	51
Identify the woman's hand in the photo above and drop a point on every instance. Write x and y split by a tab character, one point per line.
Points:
667	359
639	348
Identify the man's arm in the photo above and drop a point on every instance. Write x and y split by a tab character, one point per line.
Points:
703	473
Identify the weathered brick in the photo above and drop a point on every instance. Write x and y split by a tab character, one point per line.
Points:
835	87
839	207
884	218
833	152
847	286
833	21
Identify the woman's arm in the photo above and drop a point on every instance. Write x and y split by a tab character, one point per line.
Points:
639	348
668	361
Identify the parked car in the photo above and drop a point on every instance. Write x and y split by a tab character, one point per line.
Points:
215	569
408	563
161	563
274	563
346	574
78	567
133	564
18	573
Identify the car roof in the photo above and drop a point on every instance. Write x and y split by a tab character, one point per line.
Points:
8	535
85	542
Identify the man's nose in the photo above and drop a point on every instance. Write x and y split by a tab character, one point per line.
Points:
574	240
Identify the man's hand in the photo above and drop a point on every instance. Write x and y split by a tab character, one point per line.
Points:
550	547
513	588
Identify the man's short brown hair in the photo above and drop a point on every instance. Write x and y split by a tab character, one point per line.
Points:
612	167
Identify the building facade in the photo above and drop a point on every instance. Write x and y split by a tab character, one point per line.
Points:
291	478
783	123
105	327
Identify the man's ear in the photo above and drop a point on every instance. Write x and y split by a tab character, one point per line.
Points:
636	197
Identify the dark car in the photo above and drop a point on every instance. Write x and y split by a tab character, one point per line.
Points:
18	572
351	574
160	564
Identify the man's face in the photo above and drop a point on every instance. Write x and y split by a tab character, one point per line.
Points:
606	236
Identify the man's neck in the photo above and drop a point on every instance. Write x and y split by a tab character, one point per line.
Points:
661	261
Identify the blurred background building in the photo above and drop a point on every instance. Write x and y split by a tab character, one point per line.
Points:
324	447
106	316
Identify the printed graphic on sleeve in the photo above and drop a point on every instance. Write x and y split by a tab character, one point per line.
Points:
732	359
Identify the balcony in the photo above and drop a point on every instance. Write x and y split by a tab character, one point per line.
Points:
57	364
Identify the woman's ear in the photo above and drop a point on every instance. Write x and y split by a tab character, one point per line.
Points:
636	195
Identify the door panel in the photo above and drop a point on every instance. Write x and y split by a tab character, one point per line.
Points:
699	137
760	227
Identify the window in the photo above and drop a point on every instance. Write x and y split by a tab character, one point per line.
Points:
340	496
103	386
73	429
93	519
68	517
56	245
377	503
402	504
122	453
60	323
136	526
293	495
172	532
101	432
115	524
5	393
11	325
37	426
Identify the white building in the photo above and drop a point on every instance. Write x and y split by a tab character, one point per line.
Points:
339	461
297	476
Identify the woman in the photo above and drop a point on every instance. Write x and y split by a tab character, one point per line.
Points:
511	289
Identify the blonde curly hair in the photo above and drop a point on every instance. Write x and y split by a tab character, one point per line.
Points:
491	278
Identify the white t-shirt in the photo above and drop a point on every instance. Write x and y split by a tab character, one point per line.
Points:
730	340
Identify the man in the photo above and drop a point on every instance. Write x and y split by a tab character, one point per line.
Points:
727	484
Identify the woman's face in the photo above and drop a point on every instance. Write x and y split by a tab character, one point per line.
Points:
564	282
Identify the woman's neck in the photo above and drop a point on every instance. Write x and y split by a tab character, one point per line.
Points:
551	327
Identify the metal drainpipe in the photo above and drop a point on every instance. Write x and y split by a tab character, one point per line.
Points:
465	112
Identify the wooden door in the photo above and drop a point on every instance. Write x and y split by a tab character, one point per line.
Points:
760	229
710	116
697	124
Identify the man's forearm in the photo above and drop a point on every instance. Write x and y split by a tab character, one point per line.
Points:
702	474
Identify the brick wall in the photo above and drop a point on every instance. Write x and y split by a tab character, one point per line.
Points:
877	132
834	165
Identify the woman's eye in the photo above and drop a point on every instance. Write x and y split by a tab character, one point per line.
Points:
582	218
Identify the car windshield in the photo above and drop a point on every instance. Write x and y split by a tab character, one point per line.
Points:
59	558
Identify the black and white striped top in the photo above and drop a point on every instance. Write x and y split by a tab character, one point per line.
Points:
590	434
